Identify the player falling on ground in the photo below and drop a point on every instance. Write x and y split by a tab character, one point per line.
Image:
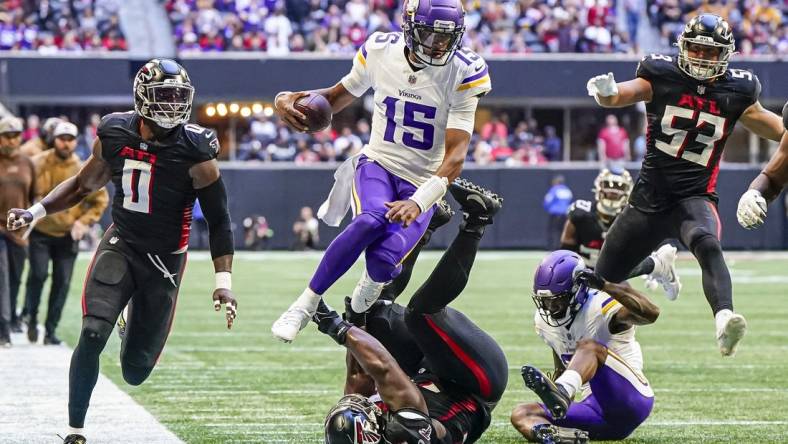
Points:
424	373
751	211
426	92
159	164
590	326
588	222
693	102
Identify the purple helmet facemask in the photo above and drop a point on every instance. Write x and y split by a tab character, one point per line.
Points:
433	29
556	295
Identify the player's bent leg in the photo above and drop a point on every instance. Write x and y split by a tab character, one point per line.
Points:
631	238
150	316
458	350
533	423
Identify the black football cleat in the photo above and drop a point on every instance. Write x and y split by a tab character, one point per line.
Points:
16	325
52	339
478	204
552	395
551	434
75	439
442	216
32	331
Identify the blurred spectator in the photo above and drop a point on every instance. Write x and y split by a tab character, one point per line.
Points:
31	132
52	26
552	145
613	142
199	234
44	140
55	238
305	229
256	232
17	190
556	203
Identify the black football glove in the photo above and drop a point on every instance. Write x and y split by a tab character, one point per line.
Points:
329	322
590	279
357	319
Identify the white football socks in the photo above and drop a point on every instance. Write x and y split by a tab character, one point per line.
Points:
75	431
571	381
308	300
721	319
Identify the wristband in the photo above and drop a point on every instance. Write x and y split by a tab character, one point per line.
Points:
38	211
224	279
430	192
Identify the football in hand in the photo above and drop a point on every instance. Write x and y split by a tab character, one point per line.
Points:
317	111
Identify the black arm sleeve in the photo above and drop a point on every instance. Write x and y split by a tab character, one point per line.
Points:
213	201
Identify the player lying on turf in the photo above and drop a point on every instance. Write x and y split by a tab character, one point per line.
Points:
693	101
766	186
590	326
141	259
426	92
424	373
588	222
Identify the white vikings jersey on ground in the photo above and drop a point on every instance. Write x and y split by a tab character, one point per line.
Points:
414	108
592	321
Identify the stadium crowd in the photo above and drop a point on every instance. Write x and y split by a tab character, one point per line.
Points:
52	26
498	141
493	27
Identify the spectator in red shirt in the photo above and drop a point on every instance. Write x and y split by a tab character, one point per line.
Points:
613	142
496	128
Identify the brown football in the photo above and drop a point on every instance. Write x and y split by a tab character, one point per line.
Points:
317	111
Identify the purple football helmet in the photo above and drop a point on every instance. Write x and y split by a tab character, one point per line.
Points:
433	29
557	296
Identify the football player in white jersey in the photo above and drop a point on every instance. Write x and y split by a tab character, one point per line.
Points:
590	326
426	92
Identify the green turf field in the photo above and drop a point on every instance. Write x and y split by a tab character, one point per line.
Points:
215	386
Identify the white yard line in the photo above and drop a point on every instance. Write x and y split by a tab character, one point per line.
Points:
34	402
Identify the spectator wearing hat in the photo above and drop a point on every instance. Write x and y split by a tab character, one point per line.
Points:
17	190
44	140
56	237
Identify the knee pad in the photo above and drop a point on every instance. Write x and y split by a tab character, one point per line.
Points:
384	258
704	244
134	375
95	331
110	268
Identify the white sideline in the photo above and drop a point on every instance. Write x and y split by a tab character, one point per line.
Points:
34	402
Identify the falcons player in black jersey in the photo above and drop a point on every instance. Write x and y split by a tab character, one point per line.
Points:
693	102
588	222
424	373
159	164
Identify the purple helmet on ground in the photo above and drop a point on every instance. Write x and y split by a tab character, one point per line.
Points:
556	294
433	29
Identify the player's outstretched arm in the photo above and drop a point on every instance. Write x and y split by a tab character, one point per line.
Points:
610	94
569	237
207	181
284	104
394	386
92	177
763	122
637	308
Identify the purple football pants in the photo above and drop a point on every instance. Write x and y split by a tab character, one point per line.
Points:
612	412
386	244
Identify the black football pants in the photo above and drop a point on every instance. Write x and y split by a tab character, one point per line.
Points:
694	221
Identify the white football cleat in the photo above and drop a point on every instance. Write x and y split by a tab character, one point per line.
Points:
665	271
366	293
291	322
729	336
650	283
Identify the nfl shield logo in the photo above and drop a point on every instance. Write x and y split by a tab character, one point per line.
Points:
701	89
412	79
143	146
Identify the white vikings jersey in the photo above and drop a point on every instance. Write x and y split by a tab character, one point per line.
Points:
413	109
592	322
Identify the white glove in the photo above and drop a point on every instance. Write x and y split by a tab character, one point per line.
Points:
603	85
752	209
